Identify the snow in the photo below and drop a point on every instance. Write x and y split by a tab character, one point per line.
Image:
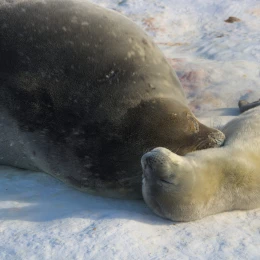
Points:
218	64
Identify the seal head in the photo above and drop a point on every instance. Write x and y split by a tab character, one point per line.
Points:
167	183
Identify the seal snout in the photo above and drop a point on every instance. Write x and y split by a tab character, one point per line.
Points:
154	157
155	162
217	138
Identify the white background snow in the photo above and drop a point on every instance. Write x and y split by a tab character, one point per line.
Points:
218	63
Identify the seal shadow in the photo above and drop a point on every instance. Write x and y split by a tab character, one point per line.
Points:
38	197
221	112
230	111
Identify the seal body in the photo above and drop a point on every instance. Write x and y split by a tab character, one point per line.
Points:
202	183
84	93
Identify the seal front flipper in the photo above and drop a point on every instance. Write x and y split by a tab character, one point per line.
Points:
245	105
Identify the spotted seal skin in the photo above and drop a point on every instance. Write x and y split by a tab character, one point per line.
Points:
84	93
206	182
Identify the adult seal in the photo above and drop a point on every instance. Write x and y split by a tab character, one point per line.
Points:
84	93
202	183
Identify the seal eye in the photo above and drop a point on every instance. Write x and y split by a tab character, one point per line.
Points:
164	181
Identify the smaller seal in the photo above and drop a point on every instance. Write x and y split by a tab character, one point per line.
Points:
206	182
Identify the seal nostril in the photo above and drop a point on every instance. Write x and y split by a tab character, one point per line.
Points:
149	162
146	160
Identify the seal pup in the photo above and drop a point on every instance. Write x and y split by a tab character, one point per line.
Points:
206	182
84	93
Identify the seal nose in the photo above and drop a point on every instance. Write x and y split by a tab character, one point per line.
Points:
217	138
146	162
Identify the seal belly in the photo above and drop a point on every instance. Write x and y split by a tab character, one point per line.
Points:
13	144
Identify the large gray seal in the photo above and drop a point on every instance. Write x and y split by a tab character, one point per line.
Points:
84	93
206	182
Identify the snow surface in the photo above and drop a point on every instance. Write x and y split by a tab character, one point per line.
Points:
217	63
